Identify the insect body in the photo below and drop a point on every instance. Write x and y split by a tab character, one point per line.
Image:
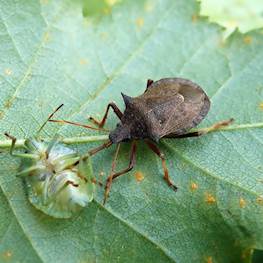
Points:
168	108
59	181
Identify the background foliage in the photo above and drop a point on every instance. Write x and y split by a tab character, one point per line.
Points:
245	15
55	52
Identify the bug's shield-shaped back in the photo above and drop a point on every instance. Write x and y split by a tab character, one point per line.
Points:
172	106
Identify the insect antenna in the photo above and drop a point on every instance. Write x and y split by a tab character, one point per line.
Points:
48	119
79	124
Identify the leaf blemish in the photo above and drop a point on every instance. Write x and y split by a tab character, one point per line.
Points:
194	186
140	22
8	104
247	40
194	18
8	71
259	200
242	202
83	61
261	105
209	198
7	254
46	37
209	260
139	176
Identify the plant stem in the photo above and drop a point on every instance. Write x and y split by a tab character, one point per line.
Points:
95	138
67	140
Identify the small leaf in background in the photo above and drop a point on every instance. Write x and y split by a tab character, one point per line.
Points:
95	7
246	15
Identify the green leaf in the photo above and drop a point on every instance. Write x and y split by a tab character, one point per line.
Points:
245	15
95	7
51	54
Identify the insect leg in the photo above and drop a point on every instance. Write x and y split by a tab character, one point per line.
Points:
114	175
21	155
36	168
203	131
97	149
166	177
101	123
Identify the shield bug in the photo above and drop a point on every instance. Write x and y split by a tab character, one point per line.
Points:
58	180
168	108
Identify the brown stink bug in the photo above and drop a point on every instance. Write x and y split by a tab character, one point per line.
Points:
168	108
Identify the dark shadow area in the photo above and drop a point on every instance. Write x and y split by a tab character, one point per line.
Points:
257	256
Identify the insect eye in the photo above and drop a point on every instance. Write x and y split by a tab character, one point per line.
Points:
118	125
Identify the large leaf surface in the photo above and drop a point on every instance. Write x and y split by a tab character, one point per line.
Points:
51	54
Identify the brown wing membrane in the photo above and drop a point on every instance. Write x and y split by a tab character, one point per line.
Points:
173	106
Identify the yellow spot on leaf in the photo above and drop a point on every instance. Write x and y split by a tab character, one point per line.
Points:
140	22
209	260
261	105
8	104
46	37
194	18
1	114
209	198
242	202
83	61
8	71
102	173
7	254
259	200
194	186
139	176
247	40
